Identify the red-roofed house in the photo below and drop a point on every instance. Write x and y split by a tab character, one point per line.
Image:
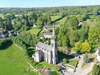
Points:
80	23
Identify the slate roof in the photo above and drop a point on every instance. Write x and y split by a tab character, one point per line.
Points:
43	46
47	27
45	34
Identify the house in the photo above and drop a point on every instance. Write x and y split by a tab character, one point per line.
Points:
13	33
13	22
1	29
35	25
4	34
80	24
45	71
48	27
45	52
46	35
98	54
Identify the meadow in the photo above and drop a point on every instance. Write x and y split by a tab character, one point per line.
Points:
34	31
13	62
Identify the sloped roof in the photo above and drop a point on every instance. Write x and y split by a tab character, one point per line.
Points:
44	46
45	34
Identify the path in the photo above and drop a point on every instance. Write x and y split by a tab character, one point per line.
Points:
31	66
88	69
78	69
85	71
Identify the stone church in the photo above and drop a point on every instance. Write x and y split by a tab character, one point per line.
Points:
45	52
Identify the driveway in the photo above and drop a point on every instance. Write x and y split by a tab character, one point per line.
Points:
85	71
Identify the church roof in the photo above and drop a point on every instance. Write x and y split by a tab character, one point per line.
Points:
44	46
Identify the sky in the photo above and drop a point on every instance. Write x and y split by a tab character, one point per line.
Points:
46	3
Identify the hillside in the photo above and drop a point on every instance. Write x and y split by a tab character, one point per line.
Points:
12	62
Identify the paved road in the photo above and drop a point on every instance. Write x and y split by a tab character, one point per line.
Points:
78	69
85	71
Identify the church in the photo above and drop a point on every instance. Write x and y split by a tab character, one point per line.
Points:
45	52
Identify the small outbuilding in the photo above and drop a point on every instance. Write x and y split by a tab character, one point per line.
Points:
35	25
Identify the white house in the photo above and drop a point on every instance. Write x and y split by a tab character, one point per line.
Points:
35	25
98	54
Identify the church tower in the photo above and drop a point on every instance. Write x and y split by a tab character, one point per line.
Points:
54	56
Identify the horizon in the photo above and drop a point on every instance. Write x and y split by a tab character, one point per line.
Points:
46	4
51	7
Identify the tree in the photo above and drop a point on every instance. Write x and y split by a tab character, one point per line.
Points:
96	69
40	22
73	37
85	17
83	33
73	22
57	68
85	47
94	35
62	13
33	16
9	25
1	22
54	73
64	41
59	43
86	58
64	61
78	46
43	39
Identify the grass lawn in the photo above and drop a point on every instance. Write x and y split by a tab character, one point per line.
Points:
60	22
54	17
50	66
34	31
84	63
73	63
89	73
12	61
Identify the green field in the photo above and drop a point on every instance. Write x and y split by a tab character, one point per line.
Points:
54	18
50	66
73	63
12	62
34	31
60	22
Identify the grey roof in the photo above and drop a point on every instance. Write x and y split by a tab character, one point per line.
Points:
45	34
47	27
44	46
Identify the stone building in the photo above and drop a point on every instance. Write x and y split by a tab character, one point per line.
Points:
46	35
98	54
45	52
